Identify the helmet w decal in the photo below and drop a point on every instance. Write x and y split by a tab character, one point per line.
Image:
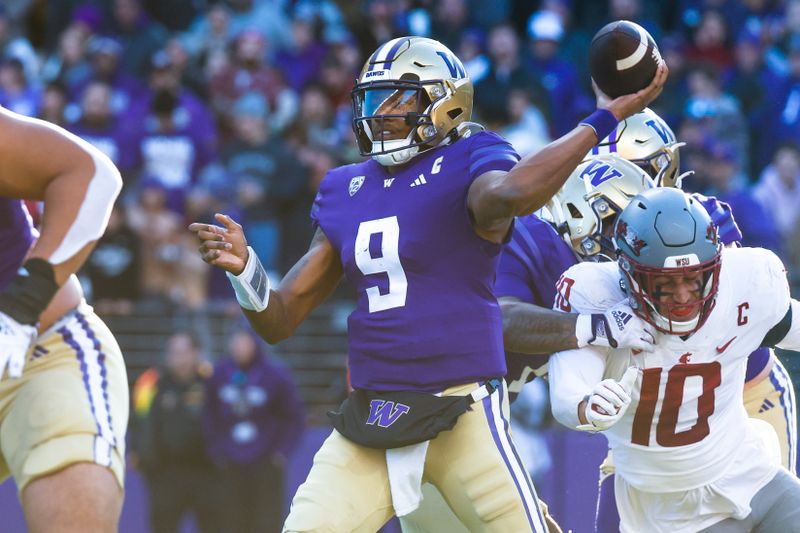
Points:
585	208
647	141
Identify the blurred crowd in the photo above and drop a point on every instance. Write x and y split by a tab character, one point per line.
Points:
241	106
214	441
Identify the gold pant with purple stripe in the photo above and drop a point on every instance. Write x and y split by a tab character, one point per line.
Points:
474	465
70	405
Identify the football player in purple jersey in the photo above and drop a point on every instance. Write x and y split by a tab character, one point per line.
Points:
418	230
63	386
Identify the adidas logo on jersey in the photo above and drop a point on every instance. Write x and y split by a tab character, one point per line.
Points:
419	181
766	406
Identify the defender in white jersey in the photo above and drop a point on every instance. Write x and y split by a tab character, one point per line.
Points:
688	458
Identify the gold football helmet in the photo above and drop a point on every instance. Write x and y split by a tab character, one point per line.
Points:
409	82
647	141
586	207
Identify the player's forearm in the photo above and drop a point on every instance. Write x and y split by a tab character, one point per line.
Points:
537	177
531	329
572	374
272	324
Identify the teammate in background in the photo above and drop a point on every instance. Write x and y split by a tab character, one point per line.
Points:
646	140
687	455
417	230
63	387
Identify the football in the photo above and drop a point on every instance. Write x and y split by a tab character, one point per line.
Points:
623	58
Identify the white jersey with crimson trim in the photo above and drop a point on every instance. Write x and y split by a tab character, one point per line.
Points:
686	419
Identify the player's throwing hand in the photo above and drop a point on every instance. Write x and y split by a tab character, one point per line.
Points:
225	246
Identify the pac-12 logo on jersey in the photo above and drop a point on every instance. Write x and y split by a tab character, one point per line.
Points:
599	172
355	184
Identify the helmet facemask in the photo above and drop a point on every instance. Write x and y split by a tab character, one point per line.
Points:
371	101
426	76
639	282
669	256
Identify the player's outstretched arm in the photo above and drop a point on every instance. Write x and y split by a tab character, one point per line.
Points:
273	313
530	329
496	197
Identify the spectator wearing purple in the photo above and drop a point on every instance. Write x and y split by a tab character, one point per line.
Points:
559	78
253	421
140	36
101	128
17	92
301	61
177	136
104	56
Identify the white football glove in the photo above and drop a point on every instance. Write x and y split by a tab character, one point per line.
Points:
15	341
618	327
609	401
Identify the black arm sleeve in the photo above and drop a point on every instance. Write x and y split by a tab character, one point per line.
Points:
778	331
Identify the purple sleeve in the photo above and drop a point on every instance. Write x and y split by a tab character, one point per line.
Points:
490	152
722	216
513	274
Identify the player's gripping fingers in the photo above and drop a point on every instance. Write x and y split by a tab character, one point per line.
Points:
612	392
602	406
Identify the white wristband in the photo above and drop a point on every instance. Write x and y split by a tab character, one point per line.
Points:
252	285
583	329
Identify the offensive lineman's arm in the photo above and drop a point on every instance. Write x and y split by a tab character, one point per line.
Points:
78	184
310	281
495	197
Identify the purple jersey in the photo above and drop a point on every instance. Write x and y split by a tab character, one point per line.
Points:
426	316
530	266
16	236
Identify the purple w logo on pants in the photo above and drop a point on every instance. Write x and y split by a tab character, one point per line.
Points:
385	413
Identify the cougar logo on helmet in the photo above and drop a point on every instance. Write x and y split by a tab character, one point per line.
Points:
681	244
419	100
